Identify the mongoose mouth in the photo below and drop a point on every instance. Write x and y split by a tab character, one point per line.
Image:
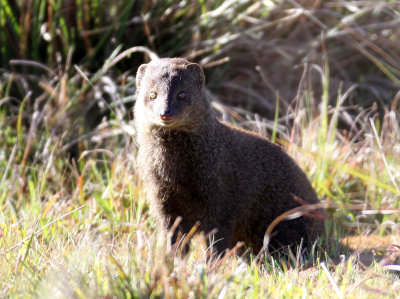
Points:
166	118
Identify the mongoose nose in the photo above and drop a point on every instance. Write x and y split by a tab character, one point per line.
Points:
167	115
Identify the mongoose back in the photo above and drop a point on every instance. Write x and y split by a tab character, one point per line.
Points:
203	170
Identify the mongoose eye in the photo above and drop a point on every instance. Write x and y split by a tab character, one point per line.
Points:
153	95
182	95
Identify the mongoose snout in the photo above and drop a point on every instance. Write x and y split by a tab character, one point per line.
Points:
167	115
194	166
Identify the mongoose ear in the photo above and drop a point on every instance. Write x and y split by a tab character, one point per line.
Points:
139	75
197	73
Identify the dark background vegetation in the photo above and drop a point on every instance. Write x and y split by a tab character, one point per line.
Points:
250	50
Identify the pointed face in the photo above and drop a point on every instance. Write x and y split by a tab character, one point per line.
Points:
170	93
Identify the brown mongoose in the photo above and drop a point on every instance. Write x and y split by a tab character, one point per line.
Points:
201	169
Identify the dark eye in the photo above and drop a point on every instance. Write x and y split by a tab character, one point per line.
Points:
182	95
153	95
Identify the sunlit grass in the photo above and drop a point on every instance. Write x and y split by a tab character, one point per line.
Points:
82	227
74	220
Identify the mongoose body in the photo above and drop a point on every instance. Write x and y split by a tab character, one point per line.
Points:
203	170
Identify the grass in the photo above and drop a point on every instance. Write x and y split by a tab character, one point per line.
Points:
74	220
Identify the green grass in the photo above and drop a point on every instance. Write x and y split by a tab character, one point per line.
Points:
82	227
74	220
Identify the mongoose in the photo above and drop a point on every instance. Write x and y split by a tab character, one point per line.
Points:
197	167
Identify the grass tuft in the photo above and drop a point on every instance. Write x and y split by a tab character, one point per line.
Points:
74	220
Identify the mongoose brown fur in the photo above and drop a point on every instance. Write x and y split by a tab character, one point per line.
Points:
201	169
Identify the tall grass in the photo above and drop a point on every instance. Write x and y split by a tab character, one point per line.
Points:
258	46
74	220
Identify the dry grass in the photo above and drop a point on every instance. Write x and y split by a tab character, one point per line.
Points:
74	220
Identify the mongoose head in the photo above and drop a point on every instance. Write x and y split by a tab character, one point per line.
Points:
170	94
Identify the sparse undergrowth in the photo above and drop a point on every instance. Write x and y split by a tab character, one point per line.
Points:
74	220
81	228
